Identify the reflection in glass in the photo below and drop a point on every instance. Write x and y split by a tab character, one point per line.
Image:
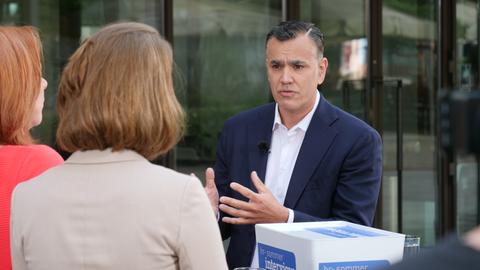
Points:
343	23
353	62
467	78
466	185
467	44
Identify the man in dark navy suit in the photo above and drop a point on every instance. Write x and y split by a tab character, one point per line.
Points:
296	160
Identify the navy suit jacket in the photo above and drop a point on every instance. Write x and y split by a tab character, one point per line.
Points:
336	176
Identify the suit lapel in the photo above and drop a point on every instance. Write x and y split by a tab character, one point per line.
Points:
318	138
260	130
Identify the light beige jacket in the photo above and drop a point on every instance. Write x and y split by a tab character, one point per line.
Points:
104	210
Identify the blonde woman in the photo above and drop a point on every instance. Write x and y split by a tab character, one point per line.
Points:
108	207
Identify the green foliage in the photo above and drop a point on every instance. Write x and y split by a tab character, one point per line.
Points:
204	125
423	9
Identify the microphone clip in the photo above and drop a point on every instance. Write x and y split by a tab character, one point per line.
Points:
263	147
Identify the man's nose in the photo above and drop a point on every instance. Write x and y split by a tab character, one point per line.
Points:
286	76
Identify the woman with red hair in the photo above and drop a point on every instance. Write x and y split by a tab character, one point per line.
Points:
21	102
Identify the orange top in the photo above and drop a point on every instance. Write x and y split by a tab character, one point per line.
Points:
19	163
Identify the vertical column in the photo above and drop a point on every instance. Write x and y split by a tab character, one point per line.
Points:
164	18
374	91
70	28
446	73
292	9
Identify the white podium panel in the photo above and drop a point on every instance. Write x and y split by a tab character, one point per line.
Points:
330	245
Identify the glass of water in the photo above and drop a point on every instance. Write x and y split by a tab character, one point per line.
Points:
411	247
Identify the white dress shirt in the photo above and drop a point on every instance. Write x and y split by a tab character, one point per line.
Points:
284	148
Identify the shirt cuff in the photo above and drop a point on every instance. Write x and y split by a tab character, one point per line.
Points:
291	216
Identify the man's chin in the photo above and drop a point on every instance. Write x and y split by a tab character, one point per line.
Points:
288	107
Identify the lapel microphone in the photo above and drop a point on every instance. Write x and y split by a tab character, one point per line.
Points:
263	147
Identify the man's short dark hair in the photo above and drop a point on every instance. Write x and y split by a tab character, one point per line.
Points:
291	29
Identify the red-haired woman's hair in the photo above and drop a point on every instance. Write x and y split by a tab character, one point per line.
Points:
20	78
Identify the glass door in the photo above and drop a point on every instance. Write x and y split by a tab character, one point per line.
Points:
409	40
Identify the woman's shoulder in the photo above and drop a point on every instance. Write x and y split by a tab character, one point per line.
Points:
38	151
41	153
31	160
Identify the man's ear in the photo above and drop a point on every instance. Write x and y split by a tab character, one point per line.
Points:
322	69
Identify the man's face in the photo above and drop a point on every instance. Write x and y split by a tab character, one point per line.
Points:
294	71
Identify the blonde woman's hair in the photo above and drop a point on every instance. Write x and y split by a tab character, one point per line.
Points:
117	91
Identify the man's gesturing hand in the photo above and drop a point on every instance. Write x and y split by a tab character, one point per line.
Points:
262	207
211	189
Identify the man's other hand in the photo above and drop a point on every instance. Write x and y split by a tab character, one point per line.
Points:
262	207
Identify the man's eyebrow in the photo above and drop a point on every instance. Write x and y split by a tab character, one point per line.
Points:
275	61
297	62
291	62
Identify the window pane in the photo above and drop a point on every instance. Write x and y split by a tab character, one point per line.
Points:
219	48
343	22
409	38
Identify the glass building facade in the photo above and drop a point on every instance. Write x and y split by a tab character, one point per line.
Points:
388	61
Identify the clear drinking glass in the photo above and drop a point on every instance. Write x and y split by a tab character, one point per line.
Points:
411	247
